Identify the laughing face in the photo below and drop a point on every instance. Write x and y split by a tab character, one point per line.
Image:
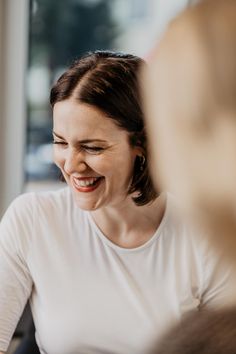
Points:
93	154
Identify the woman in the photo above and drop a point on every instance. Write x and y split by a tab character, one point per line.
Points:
106	263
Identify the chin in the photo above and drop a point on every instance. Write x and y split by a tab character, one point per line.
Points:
88	206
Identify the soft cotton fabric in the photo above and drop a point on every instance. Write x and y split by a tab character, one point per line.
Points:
89	296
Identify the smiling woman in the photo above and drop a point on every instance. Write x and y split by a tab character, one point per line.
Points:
88	164
106	262
101	92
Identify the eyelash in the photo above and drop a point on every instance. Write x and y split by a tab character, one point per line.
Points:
92	148
84	147
59	143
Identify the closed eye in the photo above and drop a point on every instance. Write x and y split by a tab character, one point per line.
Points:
95	149
90	149
59	142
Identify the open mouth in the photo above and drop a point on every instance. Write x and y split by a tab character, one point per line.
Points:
86	184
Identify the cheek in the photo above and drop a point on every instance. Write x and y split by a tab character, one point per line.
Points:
123	168
100	164
118	166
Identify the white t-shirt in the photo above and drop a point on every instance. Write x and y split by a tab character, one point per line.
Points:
89	296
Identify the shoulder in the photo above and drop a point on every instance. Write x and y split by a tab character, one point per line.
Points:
57	206
20	208
30	208
187	233
210	271
28	203
59	199
188	244
178	229
33	218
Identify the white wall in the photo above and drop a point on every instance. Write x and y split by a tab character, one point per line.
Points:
13	61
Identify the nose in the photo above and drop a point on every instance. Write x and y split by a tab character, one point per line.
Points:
74	162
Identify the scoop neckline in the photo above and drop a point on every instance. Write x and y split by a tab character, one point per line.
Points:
135	249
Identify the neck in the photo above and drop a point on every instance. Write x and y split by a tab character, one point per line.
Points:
128	225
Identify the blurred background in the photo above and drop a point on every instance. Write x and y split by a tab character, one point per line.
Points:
38	40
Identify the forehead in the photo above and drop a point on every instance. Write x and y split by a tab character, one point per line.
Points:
71	118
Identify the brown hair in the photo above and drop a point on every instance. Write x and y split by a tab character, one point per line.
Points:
207	332
109	82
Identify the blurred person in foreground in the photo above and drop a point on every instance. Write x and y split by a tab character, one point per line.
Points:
207	332
190	103
105	262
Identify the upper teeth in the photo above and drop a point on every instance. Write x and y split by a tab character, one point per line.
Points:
85	182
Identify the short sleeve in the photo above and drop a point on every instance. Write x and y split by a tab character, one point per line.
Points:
218	280
15	281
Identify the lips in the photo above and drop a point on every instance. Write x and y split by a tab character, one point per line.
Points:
86	184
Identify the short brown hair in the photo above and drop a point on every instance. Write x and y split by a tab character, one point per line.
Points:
109	81
206	332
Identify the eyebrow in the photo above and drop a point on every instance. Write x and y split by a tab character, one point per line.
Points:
85	141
